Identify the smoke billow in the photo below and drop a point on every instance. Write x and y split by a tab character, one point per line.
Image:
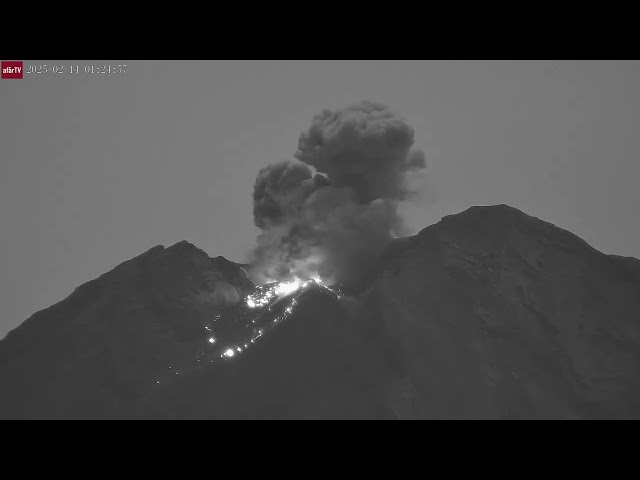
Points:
330	211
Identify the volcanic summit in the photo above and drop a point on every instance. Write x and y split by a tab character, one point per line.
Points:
490	313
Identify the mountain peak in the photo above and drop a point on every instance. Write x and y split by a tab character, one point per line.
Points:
184	246
495	209
489	313
499	216
494	228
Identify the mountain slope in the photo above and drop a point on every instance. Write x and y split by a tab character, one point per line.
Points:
99	350
501	315
490	313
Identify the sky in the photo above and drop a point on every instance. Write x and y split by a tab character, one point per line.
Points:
97	169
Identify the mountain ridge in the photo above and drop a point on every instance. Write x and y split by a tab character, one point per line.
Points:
489	313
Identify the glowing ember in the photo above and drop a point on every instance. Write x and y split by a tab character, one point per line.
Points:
230	352
212	340
261	298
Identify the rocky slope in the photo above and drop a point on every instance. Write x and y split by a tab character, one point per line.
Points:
490	313
102	348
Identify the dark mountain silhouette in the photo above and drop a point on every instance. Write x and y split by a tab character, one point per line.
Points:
490	313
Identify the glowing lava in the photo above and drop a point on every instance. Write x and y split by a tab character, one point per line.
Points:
286	288
266	293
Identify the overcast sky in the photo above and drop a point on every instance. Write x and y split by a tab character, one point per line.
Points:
98	169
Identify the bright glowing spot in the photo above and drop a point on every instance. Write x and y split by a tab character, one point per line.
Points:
239	349
285	288
318	280
212	340
230	352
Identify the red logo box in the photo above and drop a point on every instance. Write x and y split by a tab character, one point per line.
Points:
12	69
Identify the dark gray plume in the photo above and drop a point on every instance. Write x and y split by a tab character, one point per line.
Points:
333	221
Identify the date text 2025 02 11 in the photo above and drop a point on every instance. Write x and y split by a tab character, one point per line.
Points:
75	69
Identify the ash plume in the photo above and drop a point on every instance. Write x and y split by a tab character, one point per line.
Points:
333	208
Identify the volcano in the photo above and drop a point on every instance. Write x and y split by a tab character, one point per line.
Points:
488	314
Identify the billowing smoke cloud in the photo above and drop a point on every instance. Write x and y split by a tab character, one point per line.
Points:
333	209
